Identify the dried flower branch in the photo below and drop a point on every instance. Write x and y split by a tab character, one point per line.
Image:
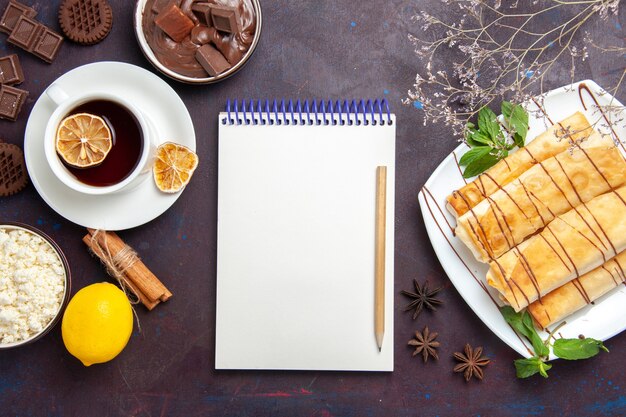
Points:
499	53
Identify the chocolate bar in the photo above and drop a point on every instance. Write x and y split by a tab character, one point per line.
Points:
12	13
203	12
174	22
225	18
36	38
211	60
47	45
25	33
11	101
11	70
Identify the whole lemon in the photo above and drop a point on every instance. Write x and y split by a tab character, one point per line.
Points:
97	323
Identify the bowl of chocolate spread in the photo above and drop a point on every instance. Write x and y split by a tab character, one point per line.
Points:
198	41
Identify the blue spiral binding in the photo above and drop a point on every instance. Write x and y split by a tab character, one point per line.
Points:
348	112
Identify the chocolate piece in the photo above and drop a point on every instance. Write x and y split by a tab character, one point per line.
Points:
11	70
211	60
159	5
36	38
86	22
201	35
47	45
26	32
12	13
223	43
185	7
203	12
11	101
13	177
174	22
225	18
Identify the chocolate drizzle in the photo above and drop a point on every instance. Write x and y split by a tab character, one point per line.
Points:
493	205
456	161
529	272
530	196
581	289
564	251
584	235
441	211
556	252
426	193
583	87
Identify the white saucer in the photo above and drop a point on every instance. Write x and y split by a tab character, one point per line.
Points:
161	105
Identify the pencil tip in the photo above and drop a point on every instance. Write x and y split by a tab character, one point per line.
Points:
380	349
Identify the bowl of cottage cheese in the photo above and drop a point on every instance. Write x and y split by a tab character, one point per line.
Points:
34	284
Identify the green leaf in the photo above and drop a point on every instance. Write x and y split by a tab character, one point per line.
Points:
488	123
507	108
514	319
519	122
574	349
528	367
538	345
480	165
474	154
523	324
480	137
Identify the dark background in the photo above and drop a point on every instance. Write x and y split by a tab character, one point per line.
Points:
308	49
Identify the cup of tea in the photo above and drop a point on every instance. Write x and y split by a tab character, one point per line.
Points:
132	135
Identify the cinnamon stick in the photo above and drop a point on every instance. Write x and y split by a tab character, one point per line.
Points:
146	283
126	282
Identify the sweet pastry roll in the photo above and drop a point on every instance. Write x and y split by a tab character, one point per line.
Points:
556	139
576	294
550	188
573	244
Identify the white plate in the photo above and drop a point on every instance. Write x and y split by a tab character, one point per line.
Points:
161	105
602	320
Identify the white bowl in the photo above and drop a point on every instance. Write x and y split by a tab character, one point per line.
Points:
67	283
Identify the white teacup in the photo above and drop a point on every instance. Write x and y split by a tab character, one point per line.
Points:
65	104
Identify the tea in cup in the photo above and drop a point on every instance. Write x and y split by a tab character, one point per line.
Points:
125	163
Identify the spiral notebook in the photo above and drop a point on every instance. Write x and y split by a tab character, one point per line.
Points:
296	235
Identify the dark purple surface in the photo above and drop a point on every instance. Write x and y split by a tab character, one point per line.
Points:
308	49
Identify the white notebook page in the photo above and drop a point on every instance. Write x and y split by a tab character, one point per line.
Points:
296	234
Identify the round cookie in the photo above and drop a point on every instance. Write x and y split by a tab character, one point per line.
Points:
13	176
85	21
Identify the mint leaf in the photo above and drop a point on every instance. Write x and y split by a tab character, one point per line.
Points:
480	137
506	108
474	154
523	324
574	349
479	165
525	368
488	123
519	122
514	319
540	348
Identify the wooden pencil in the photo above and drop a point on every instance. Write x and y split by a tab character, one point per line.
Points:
379	297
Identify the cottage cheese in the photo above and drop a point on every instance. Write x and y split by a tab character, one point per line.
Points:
32	282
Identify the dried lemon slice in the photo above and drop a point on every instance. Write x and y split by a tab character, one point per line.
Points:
83	140
173	167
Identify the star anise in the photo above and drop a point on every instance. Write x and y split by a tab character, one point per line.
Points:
422	297
425	344
471	362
